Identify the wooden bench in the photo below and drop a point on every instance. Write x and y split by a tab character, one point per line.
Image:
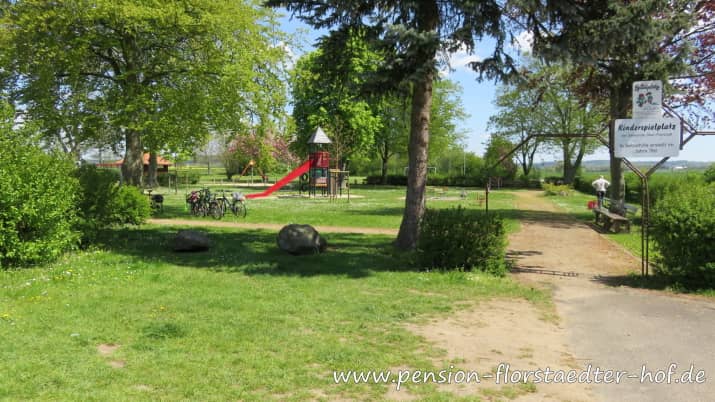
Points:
613	220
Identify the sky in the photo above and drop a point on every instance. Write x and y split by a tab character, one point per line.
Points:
478	98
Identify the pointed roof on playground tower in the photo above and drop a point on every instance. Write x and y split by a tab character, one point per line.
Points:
319	137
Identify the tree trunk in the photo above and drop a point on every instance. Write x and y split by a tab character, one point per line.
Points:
569	171
383	172
417	171
151	174
618	110
133	166
427	22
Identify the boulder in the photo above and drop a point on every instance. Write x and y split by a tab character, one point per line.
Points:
301	239
191	240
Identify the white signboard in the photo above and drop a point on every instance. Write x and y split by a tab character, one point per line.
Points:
647	99
647	138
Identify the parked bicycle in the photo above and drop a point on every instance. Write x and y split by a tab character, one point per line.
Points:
203	203
199	202
237	205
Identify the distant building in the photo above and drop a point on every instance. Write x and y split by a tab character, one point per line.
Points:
162	165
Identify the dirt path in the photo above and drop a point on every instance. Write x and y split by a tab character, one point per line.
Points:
614	328
267	226
630	336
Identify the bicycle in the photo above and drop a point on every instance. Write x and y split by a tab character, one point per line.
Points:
199	202
237	205
217	206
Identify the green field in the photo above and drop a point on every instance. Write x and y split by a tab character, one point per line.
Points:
129	319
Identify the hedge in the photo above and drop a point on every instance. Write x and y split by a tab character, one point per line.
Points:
462	239
683	227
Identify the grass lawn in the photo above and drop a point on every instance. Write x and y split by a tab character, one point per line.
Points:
132	320
372	207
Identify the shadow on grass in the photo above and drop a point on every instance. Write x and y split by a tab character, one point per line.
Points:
387	211
559	220
254	252
653	282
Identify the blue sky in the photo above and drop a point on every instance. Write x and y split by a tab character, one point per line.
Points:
478	97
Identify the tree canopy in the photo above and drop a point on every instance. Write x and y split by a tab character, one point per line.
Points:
412	35
621	42
153	74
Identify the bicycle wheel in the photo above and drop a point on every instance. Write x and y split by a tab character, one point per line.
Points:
239	209
216	209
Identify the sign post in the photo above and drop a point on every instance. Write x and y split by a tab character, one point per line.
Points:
647	134
647	99
643	138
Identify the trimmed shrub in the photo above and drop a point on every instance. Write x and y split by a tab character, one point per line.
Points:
462	239
37	203
130	206
683	227
103	202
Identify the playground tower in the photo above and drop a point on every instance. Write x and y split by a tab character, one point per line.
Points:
319	162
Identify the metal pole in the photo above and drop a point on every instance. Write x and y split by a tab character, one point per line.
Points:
646	224
486	197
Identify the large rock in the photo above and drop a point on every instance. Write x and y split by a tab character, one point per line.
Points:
191	240
301	239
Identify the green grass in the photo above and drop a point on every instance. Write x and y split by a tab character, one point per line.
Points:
372	207
239	322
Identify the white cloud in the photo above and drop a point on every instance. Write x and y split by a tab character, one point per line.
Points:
458	61
523	42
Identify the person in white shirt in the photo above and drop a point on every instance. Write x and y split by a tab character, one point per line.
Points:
601	185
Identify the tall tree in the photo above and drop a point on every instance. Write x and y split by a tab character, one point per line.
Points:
516	119
392	139
562	111
327	93
446	115
624	41
413	34
162	72
497	148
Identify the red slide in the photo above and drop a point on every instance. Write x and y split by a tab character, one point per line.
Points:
282	182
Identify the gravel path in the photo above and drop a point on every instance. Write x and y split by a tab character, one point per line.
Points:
643	333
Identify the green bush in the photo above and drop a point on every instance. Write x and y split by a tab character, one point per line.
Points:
709	174
683	227
556	189
37	203
130	206
432	180
103	202
659	183
462	239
